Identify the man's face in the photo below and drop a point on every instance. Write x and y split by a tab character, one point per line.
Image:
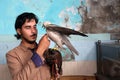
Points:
29	31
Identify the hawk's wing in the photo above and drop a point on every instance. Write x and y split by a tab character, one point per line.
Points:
64	30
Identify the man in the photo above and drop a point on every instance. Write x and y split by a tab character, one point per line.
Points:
26	61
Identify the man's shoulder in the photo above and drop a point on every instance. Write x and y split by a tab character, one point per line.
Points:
14	50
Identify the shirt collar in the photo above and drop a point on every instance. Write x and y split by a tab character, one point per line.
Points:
27	48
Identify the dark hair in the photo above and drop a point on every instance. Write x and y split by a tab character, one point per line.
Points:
20	20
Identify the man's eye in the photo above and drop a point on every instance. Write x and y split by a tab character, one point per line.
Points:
27	27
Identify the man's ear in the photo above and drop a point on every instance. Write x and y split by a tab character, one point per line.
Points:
19	31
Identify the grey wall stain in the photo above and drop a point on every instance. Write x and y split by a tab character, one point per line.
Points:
100	16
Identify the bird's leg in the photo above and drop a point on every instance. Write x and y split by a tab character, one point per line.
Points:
56	47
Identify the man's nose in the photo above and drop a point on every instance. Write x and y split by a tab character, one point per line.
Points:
33	30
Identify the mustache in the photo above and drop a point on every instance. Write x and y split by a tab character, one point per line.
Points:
33	35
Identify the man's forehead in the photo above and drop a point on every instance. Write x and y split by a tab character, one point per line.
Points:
30	22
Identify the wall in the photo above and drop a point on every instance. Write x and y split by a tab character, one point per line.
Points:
88	16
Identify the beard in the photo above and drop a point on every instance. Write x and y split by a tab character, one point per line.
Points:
29	40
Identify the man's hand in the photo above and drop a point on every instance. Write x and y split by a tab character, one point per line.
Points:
43	45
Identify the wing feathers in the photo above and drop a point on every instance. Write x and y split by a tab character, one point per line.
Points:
65	31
